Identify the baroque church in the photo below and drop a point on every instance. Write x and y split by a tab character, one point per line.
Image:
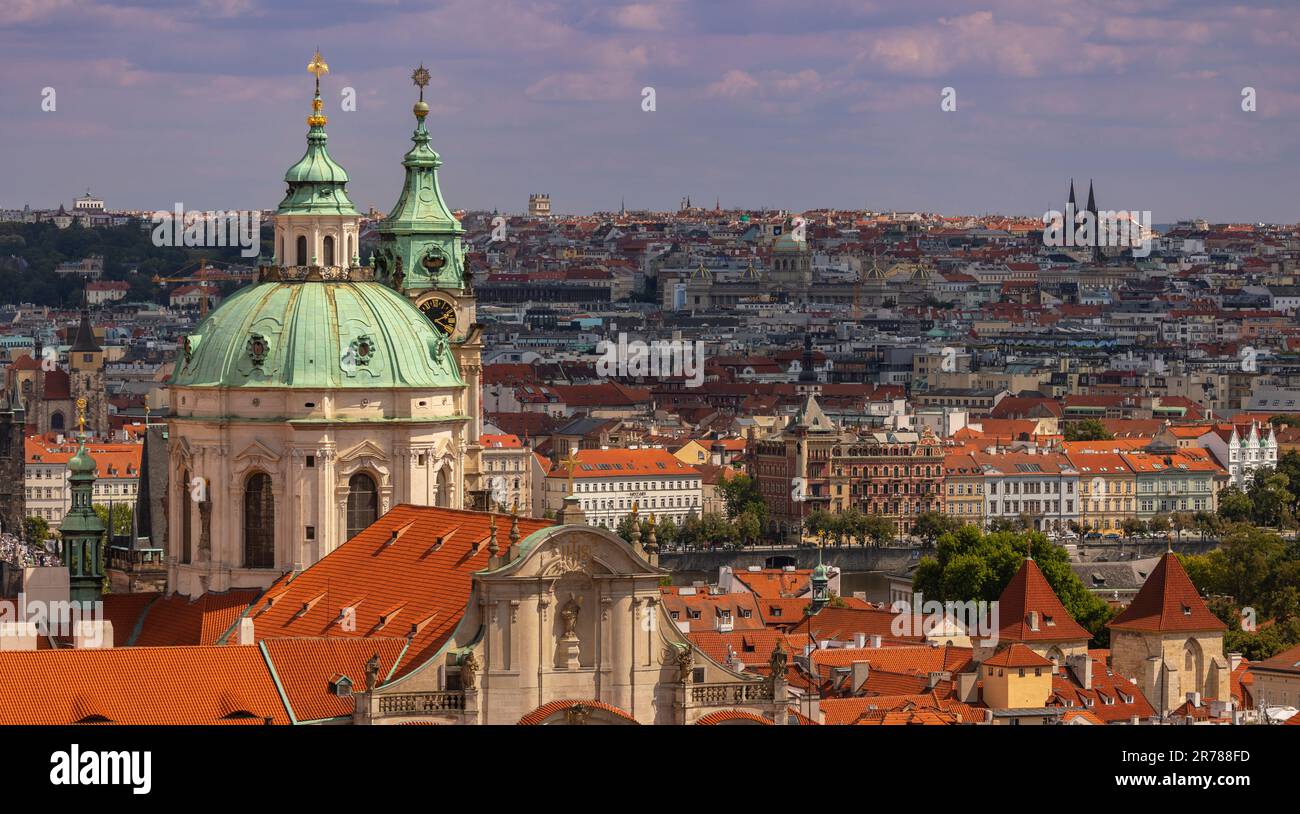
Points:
330	390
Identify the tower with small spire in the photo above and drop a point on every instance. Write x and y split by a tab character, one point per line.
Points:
421	254
86	375
81	530
316	223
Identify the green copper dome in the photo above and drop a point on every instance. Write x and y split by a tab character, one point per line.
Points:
81	463
317	335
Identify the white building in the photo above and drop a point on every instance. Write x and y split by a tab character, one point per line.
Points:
1241	449
609	481
1042	487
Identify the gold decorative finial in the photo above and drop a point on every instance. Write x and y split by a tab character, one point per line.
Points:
317	66
421	79
81	413
571	463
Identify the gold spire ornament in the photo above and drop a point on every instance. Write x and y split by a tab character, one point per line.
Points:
421	79
81	414
571	463
317	66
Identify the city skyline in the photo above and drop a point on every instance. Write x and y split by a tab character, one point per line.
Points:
200	107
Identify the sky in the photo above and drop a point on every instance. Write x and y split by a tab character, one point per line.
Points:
786	105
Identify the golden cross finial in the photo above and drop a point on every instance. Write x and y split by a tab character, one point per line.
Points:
81	413
571	463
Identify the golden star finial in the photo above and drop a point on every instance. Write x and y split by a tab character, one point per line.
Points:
420	76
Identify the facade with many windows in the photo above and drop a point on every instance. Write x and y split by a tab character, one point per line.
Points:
45	477
608	482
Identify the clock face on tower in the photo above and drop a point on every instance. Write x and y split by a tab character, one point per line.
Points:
441	313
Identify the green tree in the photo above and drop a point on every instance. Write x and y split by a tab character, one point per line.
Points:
1235	505
930	526
121	518
974	565
740	494
36	530
880	530
1089	429
1271	498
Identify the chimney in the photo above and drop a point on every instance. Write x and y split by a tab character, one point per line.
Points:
1194	698
861	671
966	686
1234	661
935	677
874	640
92	634
859	640
1081	667
247	631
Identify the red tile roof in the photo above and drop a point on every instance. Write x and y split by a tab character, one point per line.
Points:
545	711
304	667
731	715
1167	602
177	620
139	685
1017	655
1029	591
396	577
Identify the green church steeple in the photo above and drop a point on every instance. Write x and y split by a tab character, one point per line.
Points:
317	184
82	530
420	240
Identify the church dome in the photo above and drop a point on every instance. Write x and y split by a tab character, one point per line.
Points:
785	243
81	463
317	335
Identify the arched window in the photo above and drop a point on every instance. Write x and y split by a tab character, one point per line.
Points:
259	522
186	517
363	503
329	250
442	498
56	421
302	250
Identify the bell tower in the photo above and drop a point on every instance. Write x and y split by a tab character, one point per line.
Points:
82	530
420	254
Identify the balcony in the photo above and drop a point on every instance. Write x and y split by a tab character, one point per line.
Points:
124	558
723	695
422	703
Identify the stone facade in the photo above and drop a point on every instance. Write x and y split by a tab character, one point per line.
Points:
1168	667
568	627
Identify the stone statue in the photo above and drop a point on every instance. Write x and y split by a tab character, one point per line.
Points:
778	661
570	616
469	666
577	714
685	663
372	672
205	528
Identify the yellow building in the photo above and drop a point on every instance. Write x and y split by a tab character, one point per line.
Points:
1016	678
1107	488
963	489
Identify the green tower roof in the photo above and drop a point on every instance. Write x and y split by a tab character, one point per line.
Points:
317	335
81	463
317	184
421	229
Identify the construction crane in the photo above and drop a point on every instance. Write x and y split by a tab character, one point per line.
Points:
205	275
